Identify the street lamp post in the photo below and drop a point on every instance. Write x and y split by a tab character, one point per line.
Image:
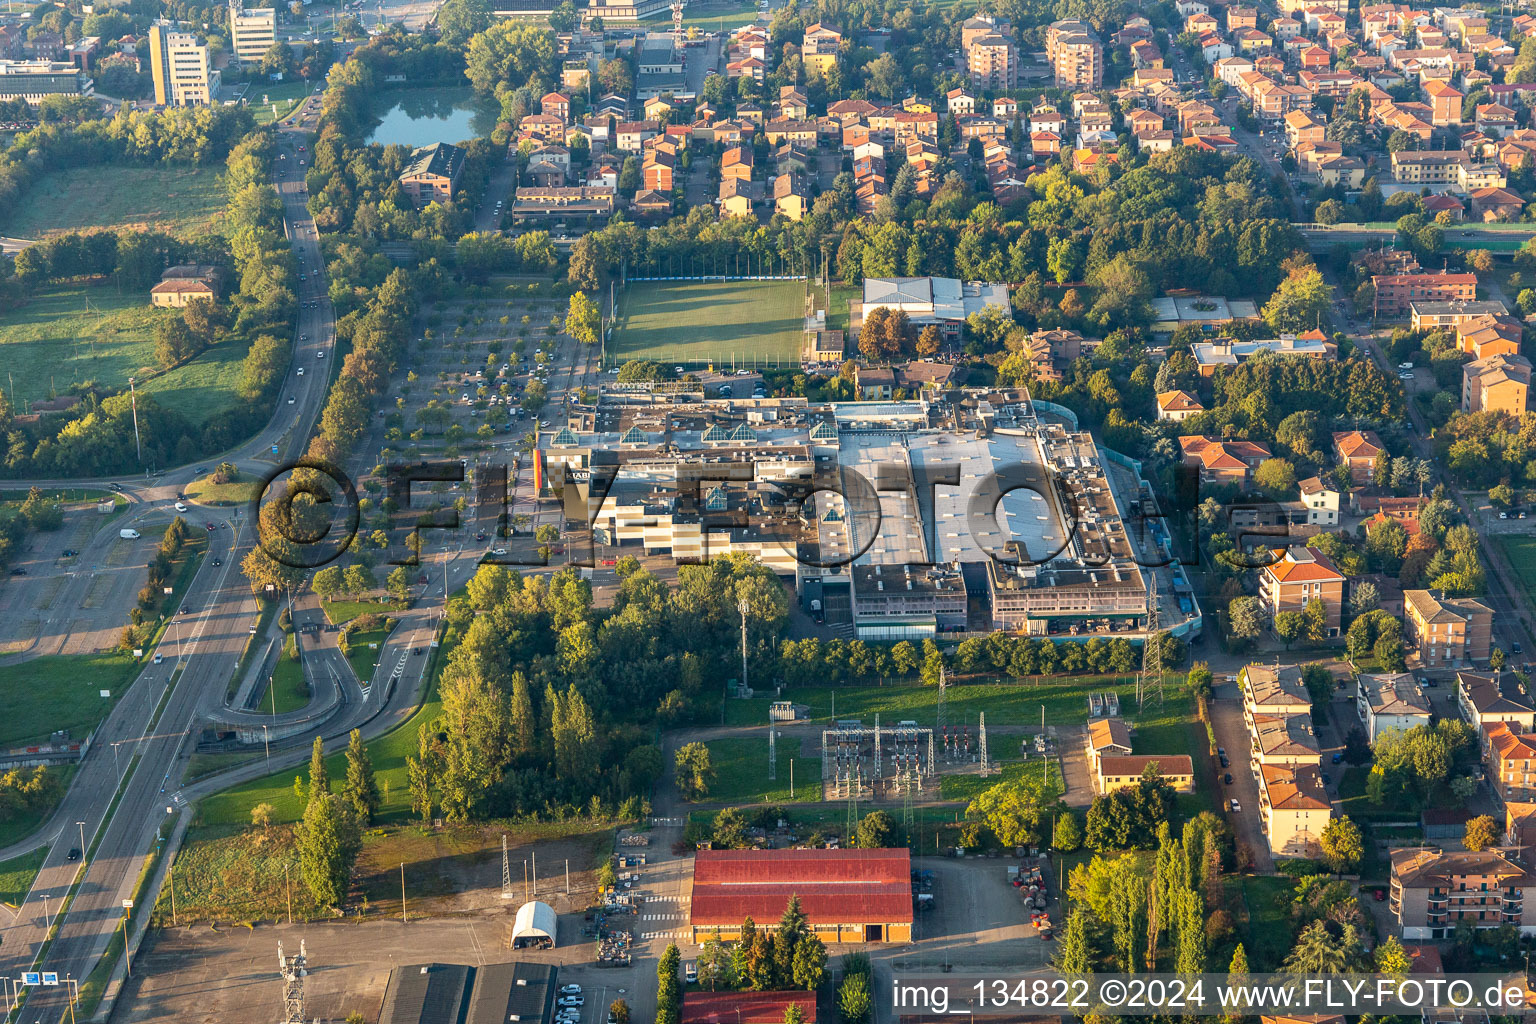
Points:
74	996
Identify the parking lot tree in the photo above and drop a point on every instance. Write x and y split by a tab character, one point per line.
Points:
398	583
1245	618
583	320
716	969
1482	832
619	1011
357	579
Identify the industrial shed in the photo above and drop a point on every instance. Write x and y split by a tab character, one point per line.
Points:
458	994
847	895
535	926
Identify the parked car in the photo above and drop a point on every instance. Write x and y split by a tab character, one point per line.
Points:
1236	807
1227	778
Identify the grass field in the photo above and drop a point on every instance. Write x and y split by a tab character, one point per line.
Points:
1521	553
726	323
741	772
17	875
170	198
289	690
263	96
363	658
51	342
1268	936
237	491
1064	699
203	388
72	685
340	612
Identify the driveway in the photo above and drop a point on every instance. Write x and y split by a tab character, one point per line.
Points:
1232	736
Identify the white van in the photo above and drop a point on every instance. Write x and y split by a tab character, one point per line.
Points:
128	534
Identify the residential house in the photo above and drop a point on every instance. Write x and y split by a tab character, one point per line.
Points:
1489	334
1223	462
1178	770
737	196
1395	293
874	383
1177	406
1359	450
791	196
1447	632
1486	699
1321	501
1496	204
1444	103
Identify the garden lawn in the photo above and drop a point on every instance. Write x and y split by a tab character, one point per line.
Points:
1358	807
1268	936
285	96
168	197
60	691
18	874
741	772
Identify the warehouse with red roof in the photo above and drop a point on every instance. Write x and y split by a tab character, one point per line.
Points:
846	895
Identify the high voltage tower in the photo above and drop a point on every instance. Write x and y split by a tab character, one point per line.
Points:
506	871
1151	652
938	725
986	769
773	755
294	969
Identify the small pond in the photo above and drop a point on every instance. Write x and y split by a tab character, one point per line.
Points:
420	117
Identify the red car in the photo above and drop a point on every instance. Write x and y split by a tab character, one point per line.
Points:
212	526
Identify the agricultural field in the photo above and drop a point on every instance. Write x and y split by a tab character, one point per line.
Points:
724	323
178	200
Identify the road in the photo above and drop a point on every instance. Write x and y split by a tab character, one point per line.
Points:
195	665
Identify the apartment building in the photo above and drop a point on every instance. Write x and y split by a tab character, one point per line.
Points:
1293	808
252	31
1273	692
1496	384
1285	741
1444	167
1298	575
1495	334
1430	314
1486	699
433	174
1389	701
181	68
1075	54
1510	757
1396	293
992	61
1432	891
1446	632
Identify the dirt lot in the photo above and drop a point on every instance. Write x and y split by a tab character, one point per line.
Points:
73	605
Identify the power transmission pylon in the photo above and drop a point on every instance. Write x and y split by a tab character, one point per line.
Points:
773	755
294	969
986	769
939	711
877	747
1151	651
506	872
